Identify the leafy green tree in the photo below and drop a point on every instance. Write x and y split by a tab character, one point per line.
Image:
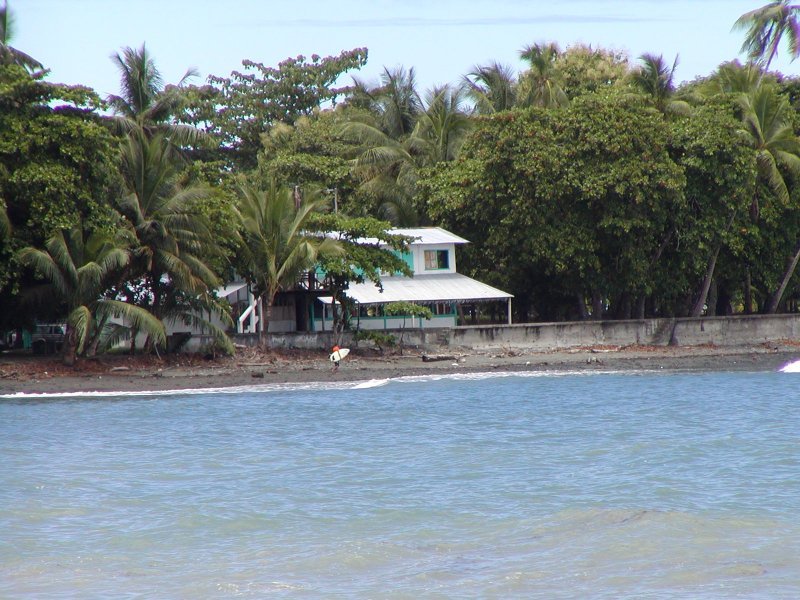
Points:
311	151
765	28
57	169
369	250
407	309
8	54
565	208
720	176
80	272
277	249
239	109
586	70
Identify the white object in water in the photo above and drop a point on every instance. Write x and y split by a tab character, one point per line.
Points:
792	367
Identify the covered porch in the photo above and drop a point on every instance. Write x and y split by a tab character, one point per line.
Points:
445	294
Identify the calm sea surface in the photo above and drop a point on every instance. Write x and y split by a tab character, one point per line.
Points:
556	486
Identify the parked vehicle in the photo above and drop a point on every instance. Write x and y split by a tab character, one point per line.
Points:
47	338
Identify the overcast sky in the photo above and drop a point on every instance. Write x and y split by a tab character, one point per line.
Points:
441	39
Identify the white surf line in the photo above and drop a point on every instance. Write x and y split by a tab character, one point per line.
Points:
239	389
329	385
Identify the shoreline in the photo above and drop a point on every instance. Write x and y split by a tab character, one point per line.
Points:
45	375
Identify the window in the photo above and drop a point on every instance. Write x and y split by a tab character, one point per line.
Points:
436	259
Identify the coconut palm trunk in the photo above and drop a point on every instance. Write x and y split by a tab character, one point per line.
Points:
776	298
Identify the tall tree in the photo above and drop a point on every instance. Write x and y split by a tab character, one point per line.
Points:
80	271
442	128
655	79
586	70
276	247
145	103
239	109
8	54
172	237
397	102
765	28
540	85
57	168
493	88
767	120
388	168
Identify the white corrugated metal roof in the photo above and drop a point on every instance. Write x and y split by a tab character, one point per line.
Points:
430	235
450	287
421	235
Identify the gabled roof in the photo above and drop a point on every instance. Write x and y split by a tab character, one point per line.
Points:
447	287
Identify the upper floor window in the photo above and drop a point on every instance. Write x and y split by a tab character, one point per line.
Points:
437	259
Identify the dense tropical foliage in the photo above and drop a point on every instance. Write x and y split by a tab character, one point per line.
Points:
590	185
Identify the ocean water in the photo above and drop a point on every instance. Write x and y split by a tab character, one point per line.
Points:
644	485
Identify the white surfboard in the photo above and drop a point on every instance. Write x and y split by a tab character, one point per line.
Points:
339	354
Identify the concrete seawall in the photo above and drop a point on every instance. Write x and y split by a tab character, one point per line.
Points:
719	331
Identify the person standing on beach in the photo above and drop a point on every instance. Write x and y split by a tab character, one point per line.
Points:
335	362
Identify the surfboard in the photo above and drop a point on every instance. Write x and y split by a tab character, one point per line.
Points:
339	354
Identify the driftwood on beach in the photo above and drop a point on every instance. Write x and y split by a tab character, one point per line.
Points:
437	357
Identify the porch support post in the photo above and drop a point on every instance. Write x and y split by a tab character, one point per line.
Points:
509	310
251	300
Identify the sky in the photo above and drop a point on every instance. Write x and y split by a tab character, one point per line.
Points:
441	39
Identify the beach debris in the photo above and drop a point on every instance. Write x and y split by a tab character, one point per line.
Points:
117	369
437	357
257	375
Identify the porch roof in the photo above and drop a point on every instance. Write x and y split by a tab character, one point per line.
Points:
447	287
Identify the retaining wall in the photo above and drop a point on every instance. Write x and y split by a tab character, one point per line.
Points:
719	331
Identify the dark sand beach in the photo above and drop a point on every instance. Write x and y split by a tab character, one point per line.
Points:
40	374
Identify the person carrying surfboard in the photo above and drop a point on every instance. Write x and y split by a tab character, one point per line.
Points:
334	357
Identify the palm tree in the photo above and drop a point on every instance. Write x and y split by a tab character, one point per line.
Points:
8	54
276	248
655	79
398	101
171	236
493	88
442	128
80	271
765	28
767	119
540	85
733	78
145	103
388	168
